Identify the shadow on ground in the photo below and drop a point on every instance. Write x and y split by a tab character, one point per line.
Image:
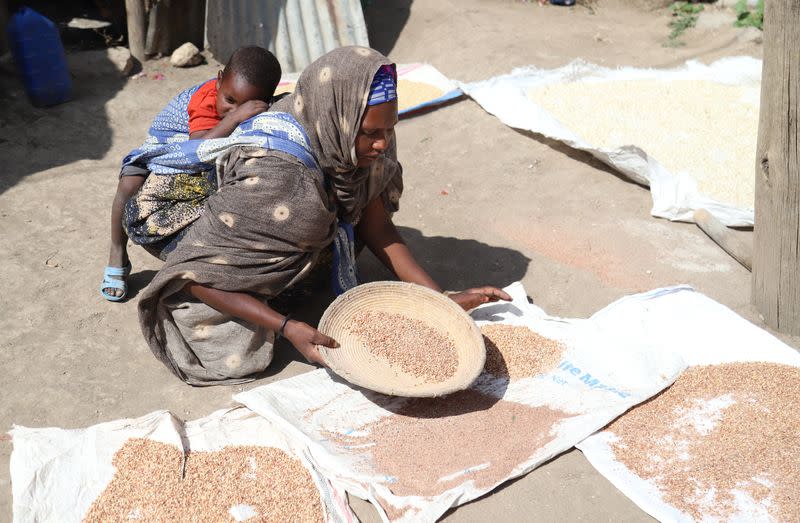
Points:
34	139
455	263
385	21
138	280
576	154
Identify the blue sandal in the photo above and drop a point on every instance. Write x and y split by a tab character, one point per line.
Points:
109	282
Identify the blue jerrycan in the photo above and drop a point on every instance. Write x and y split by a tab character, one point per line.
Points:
39	55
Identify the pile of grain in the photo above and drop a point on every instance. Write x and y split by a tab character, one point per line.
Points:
406	343
411	94
148	486
517	352
431	445
718	430
704	128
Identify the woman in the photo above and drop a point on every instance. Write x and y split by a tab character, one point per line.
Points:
327	173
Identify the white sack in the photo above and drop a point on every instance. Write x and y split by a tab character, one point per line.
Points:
603	373
702	332
675	195
56	474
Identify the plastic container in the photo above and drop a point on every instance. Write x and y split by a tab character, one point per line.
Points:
39	55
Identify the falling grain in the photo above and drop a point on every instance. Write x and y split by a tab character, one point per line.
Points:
719	431
411	345
431	445
517	352
263	482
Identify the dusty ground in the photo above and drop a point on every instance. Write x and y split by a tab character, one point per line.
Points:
518	209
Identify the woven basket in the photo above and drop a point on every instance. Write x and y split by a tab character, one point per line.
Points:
353	362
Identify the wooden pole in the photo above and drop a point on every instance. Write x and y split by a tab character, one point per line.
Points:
725	237
137	28
776	241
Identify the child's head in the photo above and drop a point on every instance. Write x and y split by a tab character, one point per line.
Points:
252	73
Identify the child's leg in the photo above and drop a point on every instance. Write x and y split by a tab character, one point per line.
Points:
118	252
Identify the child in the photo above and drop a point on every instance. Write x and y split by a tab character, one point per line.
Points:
215	108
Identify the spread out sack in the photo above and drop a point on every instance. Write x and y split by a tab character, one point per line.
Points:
419	86
549	383
723	442
231	465
688	133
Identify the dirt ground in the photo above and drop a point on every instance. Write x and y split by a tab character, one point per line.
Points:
517	208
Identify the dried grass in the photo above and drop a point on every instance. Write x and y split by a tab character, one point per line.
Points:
413	346
517	352
719	430
704	128
147	485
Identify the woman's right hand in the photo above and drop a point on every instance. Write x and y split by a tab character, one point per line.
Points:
471	298
305	339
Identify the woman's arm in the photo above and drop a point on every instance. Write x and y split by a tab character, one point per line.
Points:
303	336
383	239
381	236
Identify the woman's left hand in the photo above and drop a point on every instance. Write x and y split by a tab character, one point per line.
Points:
471	298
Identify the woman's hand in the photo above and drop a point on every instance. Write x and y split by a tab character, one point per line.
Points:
471	298
305	339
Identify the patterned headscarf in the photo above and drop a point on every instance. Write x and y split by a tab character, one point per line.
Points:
329	101
384	86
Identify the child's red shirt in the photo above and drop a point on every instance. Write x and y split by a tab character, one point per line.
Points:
203	108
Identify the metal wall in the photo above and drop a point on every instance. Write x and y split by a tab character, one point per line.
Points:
172	23
296	31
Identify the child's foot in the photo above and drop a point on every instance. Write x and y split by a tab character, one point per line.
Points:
115	286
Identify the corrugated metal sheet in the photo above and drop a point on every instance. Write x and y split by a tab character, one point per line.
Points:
173	23
296	31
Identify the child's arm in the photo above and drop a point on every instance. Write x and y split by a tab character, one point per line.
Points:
381	236
232	120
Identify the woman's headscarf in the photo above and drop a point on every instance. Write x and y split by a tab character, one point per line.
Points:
329	101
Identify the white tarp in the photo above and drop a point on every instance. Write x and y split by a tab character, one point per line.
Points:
675	194
702	332
603	373
56	474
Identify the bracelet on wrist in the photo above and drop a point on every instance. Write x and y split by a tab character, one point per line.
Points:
279	334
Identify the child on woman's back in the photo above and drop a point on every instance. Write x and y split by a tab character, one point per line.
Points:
213	109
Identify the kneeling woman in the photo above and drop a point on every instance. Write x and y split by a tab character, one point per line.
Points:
325	174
